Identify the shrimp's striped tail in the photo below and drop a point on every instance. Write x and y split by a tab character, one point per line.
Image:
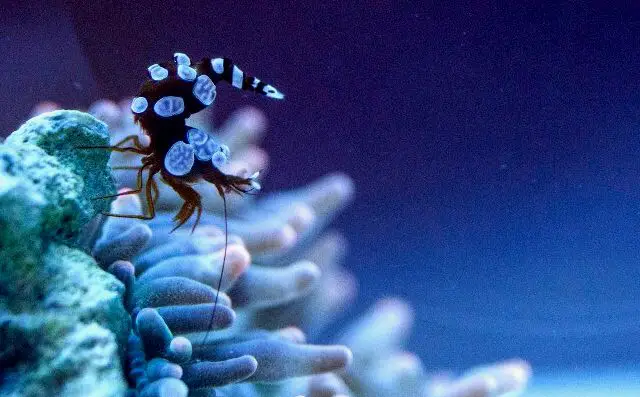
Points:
223	69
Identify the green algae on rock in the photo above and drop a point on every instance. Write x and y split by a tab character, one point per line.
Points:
62	321
48	355
78	286
67	177
20	245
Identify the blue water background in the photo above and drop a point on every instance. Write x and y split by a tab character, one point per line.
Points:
495	147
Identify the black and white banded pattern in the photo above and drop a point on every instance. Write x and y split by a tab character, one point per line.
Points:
181	88
225	69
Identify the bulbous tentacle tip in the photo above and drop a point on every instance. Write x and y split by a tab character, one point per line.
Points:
331	358
238	260
306	275
348	356
107	111
44	107
501	379
158	368
183	319
302	217
171	291
113	246
287	236
245	127
123	271
180	350
292	334
327	385
339	188
204	374
263	287
154	333
165	387
126	202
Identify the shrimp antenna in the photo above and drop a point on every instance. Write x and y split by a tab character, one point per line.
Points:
224	259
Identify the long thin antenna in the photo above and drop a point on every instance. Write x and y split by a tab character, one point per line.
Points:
224	259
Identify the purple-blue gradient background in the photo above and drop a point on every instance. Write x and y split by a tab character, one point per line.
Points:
494	146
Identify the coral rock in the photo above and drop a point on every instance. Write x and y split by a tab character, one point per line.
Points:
45	153
62	321
20	245
75	332
60	134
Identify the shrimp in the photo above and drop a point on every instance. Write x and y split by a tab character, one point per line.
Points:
181	154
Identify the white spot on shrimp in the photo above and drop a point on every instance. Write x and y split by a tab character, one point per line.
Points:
271	92
204	90
203	144
181	59
139	104
218	65
186	72
218	159
169	106
236	79
205	151
255	82
225	149
157	72
197	137
179	159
